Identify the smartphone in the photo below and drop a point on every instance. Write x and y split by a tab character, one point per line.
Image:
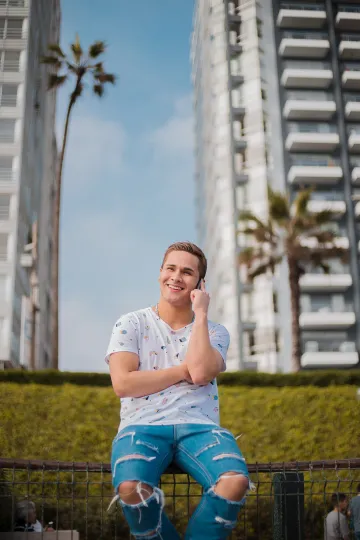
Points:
198	286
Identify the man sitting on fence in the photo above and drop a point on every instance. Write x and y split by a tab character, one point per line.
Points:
163	364
336	527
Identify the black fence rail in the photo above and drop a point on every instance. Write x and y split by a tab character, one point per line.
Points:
290	502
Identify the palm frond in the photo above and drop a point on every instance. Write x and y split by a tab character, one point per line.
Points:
269	264
249	255
77	50
246	215
96	49
71	67
98	90
324	217
279	207
52	61
55	48
55	81
301	202
105	78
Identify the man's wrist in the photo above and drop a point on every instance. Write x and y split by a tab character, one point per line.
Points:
201	316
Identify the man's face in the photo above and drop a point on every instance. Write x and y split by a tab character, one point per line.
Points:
343	505
178	277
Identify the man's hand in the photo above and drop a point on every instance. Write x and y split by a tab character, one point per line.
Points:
200	300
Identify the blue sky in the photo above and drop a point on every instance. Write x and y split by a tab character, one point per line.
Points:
128	189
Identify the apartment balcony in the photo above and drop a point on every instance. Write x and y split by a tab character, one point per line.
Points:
240	145
348	18
312	141
312	282
238	113
333	359
318	205
354	142
315	174
352	109
349	47
234	21
304	45
12	11
306	78
323	319
235	50
296	109
351	79
236	80
241	179
304	17
355	175
248	325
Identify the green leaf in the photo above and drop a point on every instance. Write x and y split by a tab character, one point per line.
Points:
55	81
98	90
301	202
55	48
96	49
279	207
105	78
77	50
51	61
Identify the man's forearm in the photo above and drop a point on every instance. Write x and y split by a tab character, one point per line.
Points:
143	383
201	358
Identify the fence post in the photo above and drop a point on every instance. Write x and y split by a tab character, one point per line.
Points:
288	506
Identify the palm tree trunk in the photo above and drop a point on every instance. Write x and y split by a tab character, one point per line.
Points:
56	235
294	277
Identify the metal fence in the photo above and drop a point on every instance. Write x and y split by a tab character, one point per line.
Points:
290	502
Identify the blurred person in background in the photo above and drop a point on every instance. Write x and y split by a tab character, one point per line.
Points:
336	526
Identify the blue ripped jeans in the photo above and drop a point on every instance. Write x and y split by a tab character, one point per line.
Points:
142	453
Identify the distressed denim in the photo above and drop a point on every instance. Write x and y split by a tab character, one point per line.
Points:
142	453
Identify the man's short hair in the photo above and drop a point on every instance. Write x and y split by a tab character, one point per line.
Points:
23	509
337	498
189	247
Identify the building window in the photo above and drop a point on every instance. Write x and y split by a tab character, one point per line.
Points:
7	130
6	170
10	61
8	95
11	28
4	206
3	246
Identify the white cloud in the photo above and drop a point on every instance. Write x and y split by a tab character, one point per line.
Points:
85	333
175	136
94	146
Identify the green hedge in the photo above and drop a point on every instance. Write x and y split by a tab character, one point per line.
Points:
78	423
69	422
244	378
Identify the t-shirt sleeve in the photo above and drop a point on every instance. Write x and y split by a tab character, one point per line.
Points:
220	340
344	528
124	336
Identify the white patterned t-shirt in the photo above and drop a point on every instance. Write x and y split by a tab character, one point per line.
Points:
159	347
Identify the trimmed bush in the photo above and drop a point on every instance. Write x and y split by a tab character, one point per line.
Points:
238	378
78	423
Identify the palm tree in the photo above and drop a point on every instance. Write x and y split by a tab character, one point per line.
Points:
78	66
294	233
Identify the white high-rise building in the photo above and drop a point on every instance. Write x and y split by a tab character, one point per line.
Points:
276	100
28	157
